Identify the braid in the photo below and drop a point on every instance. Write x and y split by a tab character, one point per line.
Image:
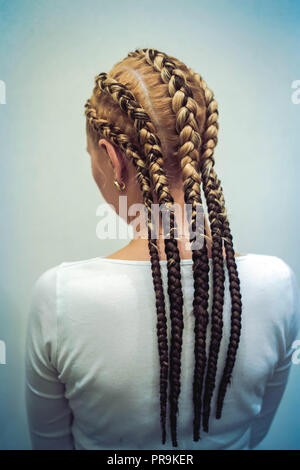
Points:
184	106
218	298
210	137
196	124
115	135
236	306
152	148
209	187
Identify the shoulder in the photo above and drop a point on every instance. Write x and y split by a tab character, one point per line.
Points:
268	261
46	286
269	281
47	281
77	278
267	269
44	292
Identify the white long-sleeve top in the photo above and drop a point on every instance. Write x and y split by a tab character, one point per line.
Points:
92	364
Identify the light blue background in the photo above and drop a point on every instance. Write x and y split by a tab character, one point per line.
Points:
248	52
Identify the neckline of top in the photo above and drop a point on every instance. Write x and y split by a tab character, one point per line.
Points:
163	261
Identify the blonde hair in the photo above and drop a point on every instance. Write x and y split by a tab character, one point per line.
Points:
164	118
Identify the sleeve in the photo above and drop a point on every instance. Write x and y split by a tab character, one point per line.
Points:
277	384
48	412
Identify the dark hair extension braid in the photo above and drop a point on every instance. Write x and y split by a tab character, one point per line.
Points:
185	109
117	137
152	148
210	138
236	303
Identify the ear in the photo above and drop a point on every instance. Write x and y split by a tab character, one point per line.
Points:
116	159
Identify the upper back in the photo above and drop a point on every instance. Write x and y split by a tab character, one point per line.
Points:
106	349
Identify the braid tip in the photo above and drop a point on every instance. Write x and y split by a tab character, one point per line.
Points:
196	430
205	424
219	410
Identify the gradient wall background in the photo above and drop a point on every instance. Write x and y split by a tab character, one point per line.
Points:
248	52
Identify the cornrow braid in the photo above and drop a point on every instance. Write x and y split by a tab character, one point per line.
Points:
210	141
185	107
152	147
117	137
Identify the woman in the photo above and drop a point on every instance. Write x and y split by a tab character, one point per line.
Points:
212	377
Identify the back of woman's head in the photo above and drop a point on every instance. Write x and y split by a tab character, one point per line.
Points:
154	97
164	119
